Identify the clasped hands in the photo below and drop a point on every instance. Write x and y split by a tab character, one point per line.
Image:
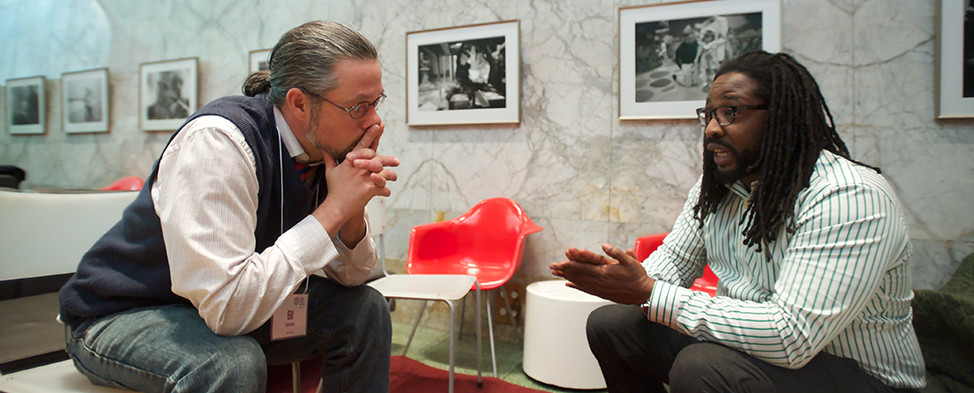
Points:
363	174
621	278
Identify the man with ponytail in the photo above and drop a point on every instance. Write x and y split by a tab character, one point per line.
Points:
809	245
210	274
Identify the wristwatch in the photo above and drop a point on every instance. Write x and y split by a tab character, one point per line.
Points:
645	308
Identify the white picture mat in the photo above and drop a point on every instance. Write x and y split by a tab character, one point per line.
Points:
37	85
509	114
81	89
188	70
257	57
629	109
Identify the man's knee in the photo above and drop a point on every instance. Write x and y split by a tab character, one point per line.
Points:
713	367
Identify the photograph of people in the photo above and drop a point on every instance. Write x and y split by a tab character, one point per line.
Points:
462	75
170	102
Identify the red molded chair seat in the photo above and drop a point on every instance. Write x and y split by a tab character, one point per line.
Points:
645	245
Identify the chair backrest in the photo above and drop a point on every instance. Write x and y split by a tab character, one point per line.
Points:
127	183
46	234
487	241
645	245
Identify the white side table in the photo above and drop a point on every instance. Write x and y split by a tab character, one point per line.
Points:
555	347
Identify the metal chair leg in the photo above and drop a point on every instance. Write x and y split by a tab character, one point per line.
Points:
296	376
480	379
490	330
452	339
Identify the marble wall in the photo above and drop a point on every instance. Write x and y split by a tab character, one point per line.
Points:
577	170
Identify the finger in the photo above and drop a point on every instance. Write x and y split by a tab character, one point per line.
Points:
586	256
370	139
389	175
378	180
614	252
369	165
329	162
375	143
360	154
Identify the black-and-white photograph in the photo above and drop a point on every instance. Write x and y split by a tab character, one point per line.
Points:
463	75
669	52
167	93
26	105
85	101
170	99
676	59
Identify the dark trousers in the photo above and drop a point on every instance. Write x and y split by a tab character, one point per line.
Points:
637	355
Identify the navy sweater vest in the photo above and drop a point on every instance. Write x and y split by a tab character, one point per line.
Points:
128	266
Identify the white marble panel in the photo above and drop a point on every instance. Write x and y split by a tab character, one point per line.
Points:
577	170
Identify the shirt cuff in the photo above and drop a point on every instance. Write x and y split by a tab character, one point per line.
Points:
665	303
307	246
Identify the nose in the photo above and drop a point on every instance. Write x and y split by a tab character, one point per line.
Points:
371	117
713	129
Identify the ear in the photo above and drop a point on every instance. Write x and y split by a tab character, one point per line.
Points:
297	103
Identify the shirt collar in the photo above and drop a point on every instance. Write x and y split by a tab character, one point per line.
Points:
291	141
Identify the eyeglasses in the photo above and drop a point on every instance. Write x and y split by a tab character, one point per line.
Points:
725	114
355	111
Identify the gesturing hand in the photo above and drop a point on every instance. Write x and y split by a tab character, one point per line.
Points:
621	279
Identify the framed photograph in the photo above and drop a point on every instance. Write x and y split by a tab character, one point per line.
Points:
84	101
464	75
668	53
167	93
955	60
26	105
258	60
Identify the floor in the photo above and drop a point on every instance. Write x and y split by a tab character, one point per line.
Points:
431	346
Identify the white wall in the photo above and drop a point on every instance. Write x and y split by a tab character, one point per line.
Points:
578	171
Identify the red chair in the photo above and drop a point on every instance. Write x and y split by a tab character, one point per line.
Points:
645	245
127	183
486	242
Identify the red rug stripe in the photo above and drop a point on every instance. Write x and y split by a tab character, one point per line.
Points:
411	376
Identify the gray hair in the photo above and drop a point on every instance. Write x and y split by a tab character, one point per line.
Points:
305	58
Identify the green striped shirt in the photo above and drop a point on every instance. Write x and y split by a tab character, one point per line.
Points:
840	283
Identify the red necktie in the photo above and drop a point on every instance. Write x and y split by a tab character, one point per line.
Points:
304	171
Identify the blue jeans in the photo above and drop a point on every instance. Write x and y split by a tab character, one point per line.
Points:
170	349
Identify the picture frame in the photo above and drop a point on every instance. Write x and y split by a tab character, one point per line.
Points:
168	93
955	61
464	75
669	52
259	59
26	105
85	101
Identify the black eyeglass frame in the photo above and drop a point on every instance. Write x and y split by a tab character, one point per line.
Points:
354	108
704	115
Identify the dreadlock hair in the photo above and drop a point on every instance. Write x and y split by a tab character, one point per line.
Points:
799	127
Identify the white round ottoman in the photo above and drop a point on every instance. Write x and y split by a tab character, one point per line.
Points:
555	348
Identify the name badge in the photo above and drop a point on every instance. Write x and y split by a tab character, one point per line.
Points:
291	319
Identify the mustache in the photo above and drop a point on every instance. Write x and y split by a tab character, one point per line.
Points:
721	142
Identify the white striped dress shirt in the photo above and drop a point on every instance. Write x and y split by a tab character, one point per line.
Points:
839	283
206	199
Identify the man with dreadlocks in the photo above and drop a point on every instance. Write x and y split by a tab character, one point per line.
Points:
809	245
